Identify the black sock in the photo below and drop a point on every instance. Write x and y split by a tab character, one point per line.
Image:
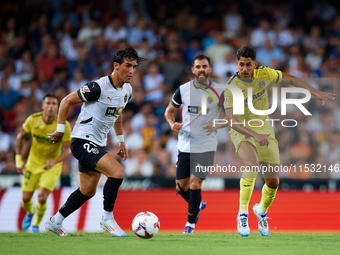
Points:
194	204
110	192
73	203
184	194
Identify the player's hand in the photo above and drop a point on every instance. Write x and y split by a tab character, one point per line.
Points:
262	139
122	151
209	128
55	136
176	127
324	96
19	164
49	164
20	170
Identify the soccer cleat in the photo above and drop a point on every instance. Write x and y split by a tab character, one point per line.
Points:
188	230
242	225
57	229
112	227
203	205
35	229
26	223
262	221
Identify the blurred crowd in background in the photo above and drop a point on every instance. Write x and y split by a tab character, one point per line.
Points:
59	45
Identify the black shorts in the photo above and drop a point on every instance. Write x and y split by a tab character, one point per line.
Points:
88	154
194	163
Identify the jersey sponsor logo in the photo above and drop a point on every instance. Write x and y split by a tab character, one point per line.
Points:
259	94
193	109
125	98
262	84
110	98
113	111
85	89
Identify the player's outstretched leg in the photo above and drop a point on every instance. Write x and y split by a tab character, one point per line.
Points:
54	227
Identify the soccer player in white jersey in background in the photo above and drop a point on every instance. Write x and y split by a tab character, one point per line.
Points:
196	149
103	102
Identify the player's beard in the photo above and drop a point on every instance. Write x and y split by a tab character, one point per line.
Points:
200	79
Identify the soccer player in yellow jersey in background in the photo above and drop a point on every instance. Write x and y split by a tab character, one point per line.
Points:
45	159
257	146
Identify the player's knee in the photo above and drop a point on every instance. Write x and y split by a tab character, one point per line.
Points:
195	183
26	199
181	188
42	200
273	183
119	173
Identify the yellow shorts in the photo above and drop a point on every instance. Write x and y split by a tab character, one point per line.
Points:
41	178
265	154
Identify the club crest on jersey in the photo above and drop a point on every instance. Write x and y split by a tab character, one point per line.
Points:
210	100
262	84
85	89
125	98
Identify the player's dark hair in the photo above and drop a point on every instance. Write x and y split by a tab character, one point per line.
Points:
127	53
50	94
246	52
200	57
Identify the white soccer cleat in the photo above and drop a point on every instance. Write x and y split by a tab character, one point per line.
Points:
57	229
242	224
112	227
262	221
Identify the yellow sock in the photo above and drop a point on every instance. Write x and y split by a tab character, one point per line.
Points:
246	190
268	196
39	213
28	206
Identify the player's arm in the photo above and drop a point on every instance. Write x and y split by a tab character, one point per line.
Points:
70	99
174	104
62	157
90	92
118	127
19	163
169	116
296	82
234	123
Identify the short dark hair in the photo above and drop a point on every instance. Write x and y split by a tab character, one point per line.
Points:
200	57
127	53
50	94
246	52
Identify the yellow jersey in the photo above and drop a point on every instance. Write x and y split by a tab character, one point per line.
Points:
42	148
263	77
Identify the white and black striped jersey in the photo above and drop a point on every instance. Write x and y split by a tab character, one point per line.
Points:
192	137
103	103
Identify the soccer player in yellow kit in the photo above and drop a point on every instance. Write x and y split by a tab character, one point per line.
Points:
45	160
257	145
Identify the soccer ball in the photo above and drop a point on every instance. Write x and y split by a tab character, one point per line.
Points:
145	224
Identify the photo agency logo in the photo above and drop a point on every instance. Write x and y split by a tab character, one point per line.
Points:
239	101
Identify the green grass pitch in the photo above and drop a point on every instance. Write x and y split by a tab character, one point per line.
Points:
169	243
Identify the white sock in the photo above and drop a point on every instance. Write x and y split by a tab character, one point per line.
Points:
260	211
58	218
190	225
107	215
242	212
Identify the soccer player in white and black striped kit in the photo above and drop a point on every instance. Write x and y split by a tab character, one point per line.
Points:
103	102
196	145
